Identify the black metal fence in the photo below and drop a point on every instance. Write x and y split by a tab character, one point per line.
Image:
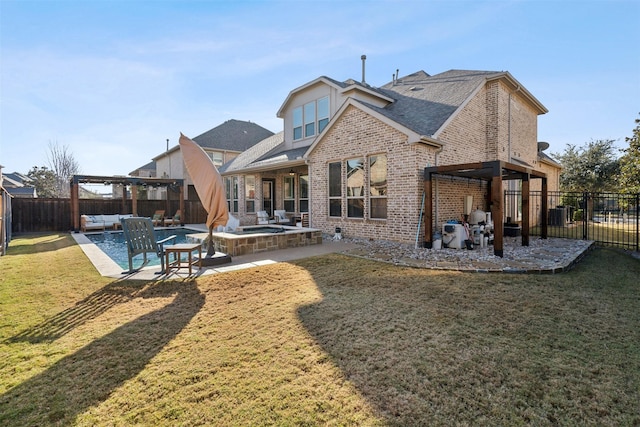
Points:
609	219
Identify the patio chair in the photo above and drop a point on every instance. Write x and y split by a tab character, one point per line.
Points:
281	217
158	218
262	217
175	220
232	223
140	238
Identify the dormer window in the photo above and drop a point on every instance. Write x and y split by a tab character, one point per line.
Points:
313	117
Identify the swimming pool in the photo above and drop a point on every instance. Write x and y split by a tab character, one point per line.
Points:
113	245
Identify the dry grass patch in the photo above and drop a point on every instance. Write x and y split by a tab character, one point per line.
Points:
329	340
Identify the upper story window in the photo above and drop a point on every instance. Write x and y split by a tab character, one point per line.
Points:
297	123
216	157
323	113
310	119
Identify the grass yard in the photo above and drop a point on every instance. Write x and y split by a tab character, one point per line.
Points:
329	340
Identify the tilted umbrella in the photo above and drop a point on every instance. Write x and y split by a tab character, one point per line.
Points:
208	183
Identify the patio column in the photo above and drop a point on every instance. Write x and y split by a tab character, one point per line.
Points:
134	199
183	214
75	205
497	210
428	210
525	210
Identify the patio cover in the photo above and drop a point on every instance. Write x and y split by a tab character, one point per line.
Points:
494	172
132	181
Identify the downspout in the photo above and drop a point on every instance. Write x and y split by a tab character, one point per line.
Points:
435	190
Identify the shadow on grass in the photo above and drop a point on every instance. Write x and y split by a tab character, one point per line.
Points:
87	377
83	311
469	349
49	242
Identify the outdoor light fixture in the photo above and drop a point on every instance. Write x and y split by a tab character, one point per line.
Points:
291	172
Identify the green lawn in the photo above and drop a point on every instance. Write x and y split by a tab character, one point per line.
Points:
329	340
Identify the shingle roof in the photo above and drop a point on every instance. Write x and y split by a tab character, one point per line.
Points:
233	135
423	102
250	155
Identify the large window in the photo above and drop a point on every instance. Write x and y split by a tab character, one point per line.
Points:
335	189
310	119
231	188
355	188
378	186
250	193
297	123
304	192
323	113
289	193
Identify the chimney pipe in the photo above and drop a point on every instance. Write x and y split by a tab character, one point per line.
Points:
364	58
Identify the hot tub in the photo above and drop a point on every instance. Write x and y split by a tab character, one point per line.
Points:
263	238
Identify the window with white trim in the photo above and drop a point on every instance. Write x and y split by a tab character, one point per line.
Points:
323	113
231	188
217	157
355	188
303	182
289	190
250	193
378	186
297	123
335	189
310	119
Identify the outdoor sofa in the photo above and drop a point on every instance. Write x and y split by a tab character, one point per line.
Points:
101	222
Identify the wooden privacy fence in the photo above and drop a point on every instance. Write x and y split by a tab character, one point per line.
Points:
42	214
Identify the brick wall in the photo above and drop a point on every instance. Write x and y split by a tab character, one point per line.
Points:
359	135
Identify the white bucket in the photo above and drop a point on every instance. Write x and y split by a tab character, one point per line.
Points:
437	244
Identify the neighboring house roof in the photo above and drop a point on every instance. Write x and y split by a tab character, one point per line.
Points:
233	135
151	166
16	179
22	191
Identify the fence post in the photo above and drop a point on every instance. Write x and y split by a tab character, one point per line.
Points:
637	222
585	216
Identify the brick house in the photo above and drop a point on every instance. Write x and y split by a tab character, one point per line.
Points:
353	156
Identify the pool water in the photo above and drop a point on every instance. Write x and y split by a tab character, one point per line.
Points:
112	243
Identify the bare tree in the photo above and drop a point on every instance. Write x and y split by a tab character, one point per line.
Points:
63	165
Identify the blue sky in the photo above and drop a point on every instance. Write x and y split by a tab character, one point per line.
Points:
112	80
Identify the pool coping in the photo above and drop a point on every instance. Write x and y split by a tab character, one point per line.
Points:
109	268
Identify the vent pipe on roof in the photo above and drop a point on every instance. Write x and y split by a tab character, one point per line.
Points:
364	58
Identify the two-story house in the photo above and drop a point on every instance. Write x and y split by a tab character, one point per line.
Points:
353	156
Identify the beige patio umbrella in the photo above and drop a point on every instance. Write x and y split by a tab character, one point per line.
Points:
208	183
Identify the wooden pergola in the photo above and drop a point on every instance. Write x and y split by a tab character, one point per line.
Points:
494	173
131	181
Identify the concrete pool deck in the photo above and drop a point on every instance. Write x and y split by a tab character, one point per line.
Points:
108	268
547	256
